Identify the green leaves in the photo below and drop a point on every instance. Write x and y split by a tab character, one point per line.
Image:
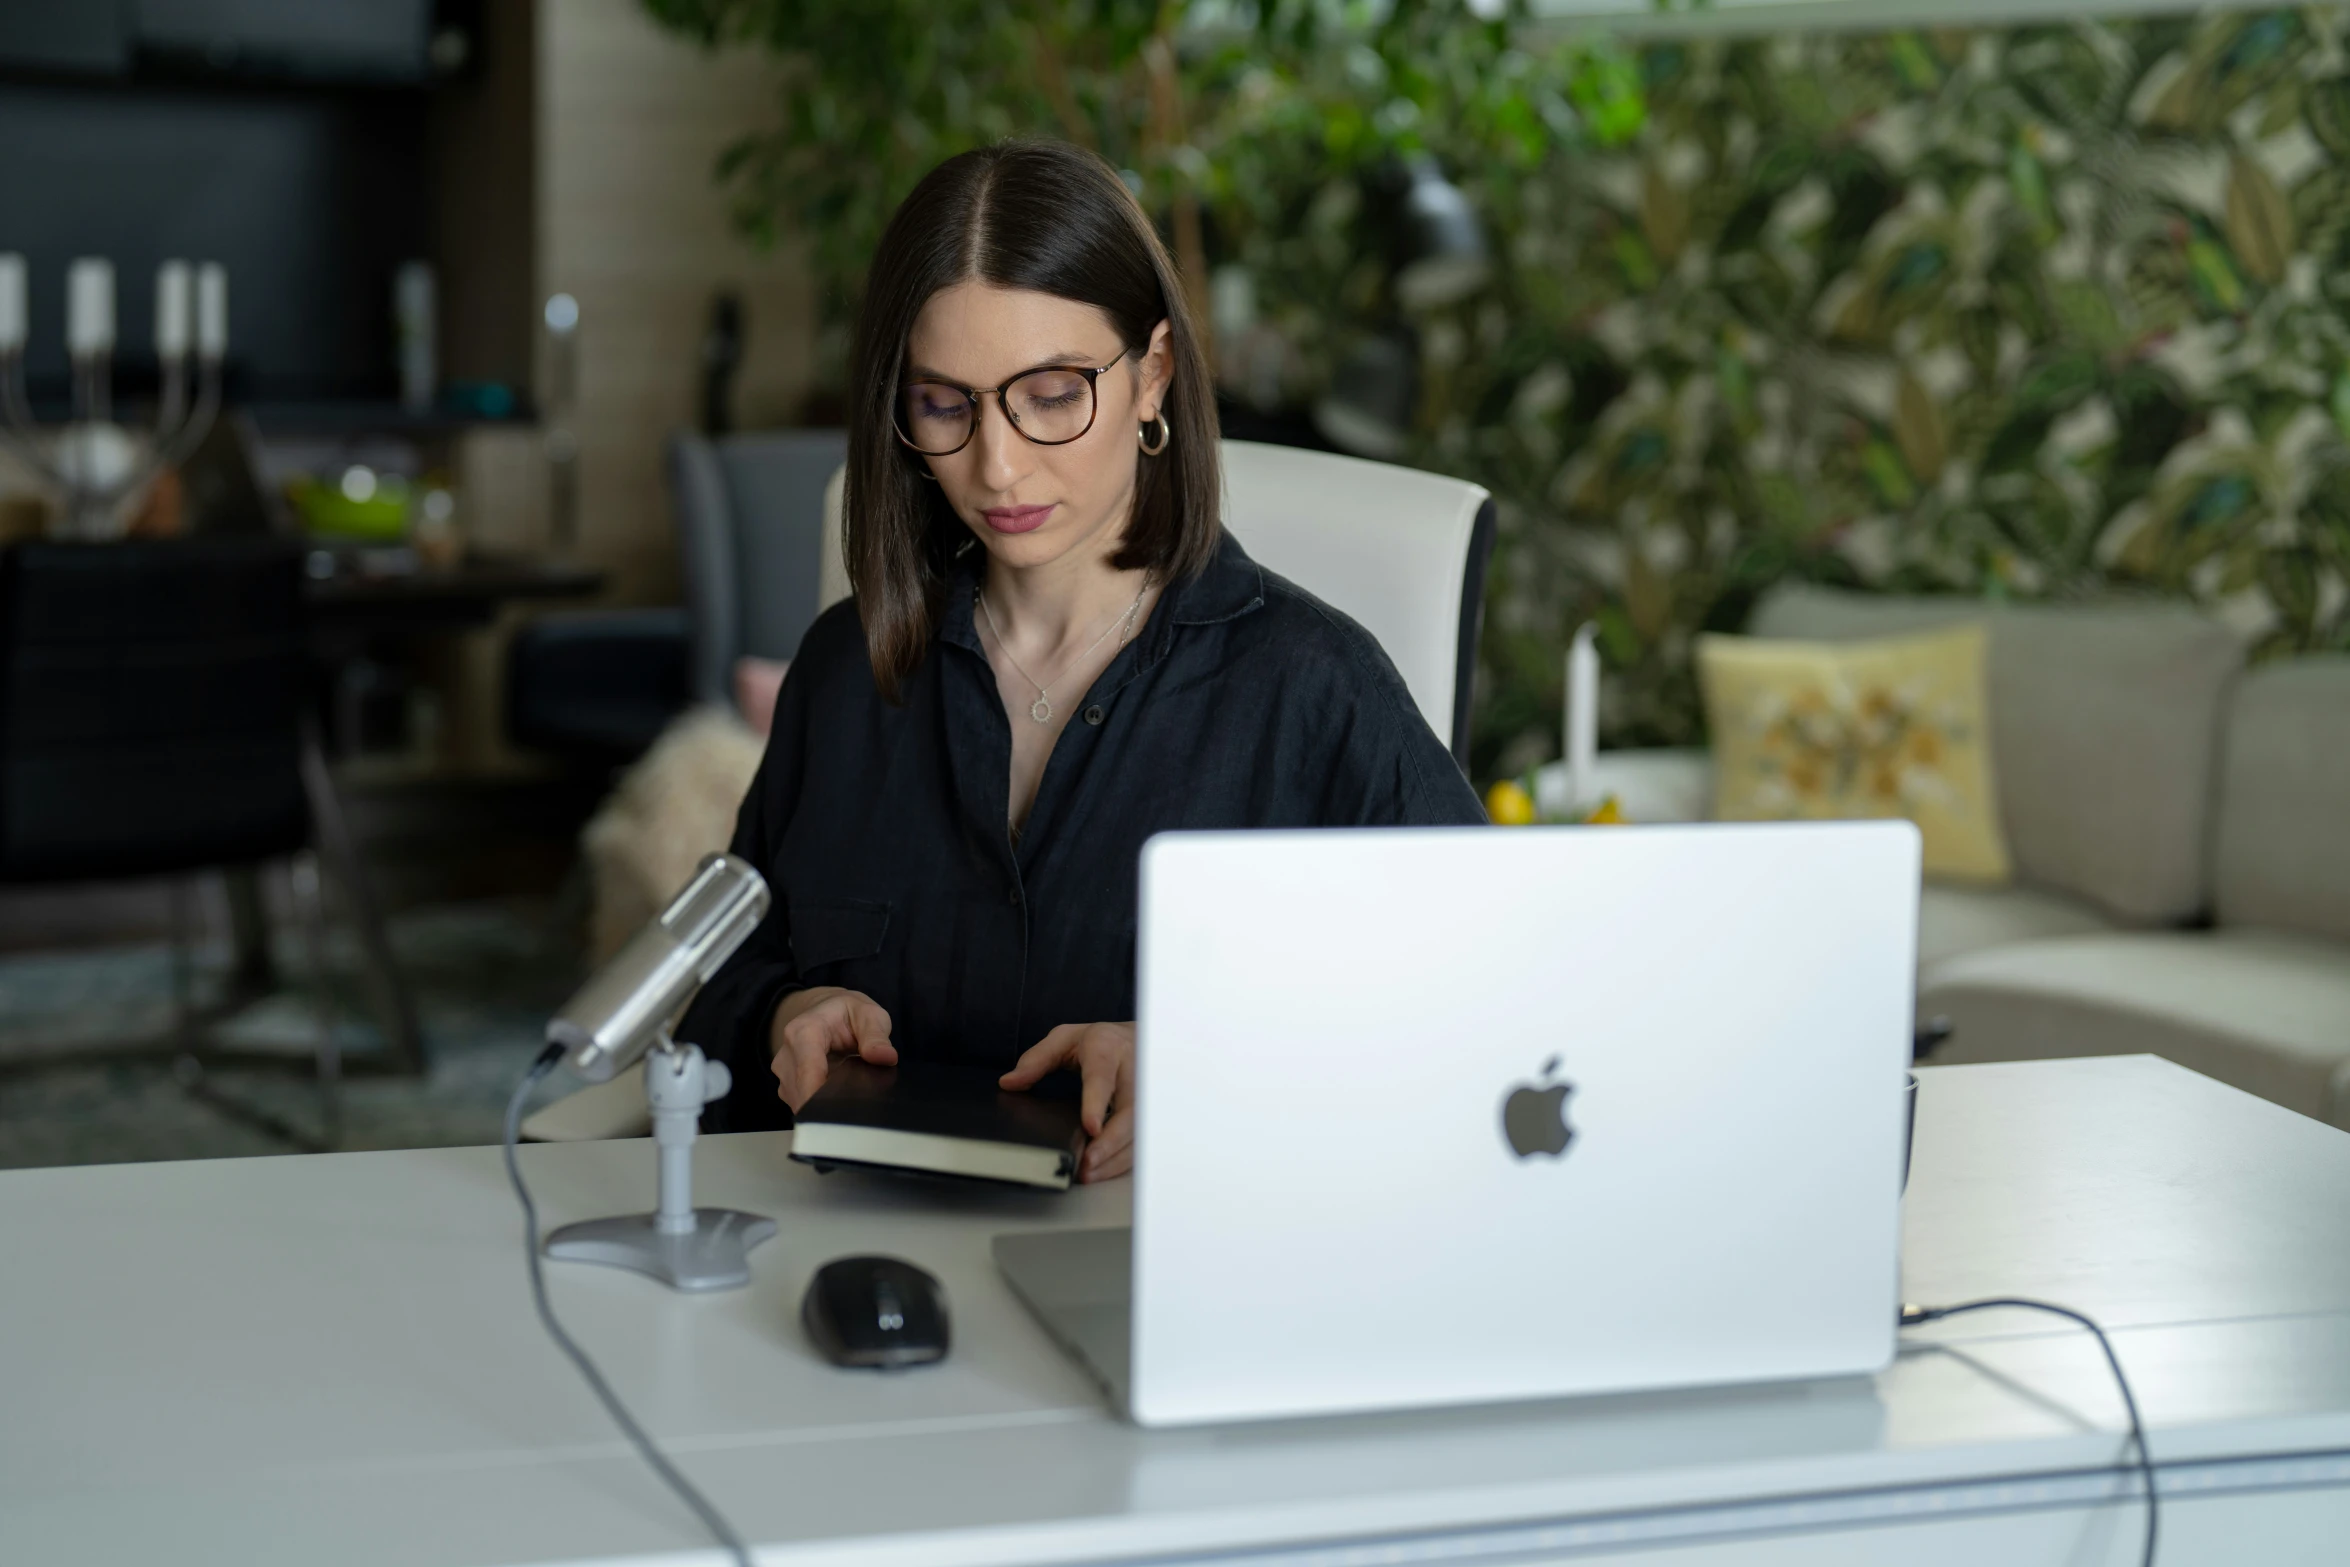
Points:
2021	311
2259	224
1605	89
1949	330
1919	429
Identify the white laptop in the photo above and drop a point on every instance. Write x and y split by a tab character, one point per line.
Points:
1456	1116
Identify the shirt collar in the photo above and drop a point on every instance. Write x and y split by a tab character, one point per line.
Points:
1231	586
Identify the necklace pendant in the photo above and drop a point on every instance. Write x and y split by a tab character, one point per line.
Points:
1041	710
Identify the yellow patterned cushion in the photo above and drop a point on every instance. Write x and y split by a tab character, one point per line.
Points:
1837	730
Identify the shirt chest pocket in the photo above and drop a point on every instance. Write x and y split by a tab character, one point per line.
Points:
828	933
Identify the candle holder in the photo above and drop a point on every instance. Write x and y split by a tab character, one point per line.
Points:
94	462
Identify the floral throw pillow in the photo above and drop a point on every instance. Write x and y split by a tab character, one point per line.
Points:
1838	730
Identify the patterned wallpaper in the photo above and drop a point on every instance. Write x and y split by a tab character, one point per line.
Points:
2046	311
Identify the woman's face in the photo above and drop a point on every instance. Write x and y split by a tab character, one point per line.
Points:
1032	505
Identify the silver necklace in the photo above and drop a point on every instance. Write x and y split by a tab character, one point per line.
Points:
1042	708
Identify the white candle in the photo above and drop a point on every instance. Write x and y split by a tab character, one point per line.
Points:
89	307
211	310
413	332
1582	719
171	310
11	303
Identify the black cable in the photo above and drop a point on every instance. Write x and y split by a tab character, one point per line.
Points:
1912	1316
712	1518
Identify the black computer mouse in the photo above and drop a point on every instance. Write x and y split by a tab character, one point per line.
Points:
875	1311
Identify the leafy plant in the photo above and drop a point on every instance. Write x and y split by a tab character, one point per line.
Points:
1243	122
2053	311
2056	310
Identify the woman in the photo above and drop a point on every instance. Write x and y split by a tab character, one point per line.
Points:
1054	651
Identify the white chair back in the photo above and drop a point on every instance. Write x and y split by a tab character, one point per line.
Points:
1401	551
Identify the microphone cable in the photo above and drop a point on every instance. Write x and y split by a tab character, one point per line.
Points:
712	1518
1913	1316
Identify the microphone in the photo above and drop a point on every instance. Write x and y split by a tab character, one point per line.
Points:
622	1014
626	1007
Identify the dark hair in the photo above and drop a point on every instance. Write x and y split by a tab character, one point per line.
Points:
1055	219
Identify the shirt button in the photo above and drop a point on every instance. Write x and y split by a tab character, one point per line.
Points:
1094	714
1014	897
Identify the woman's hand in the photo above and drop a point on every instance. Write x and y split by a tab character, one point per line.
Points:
1103	1054
812	1026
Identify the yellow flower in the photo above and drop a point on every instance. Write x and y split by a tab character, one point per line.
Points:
1508	803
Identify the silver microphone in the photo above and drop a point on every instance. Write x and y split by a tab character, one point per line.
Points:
624	1009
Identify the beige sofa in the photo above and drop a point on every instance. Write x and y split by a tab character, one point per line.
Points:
2181	834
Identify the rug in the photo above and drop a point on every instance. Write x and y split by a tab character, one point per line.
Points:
484	976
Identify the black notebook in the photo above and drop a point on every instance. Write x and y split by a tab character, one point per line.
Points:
942	1120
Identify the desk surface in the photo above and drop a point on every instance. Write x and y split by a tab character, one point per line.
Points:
333	1358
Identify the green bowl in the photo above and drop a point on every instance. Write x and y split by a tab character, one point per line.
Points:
382	518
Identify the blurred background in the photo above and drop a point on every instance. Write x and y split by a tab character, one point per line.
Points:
418	415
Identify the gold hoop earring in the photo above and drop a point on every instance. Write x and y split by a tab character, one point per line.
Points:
1142	440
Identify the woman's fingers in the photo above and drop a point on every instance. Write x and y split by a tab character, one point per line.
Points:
1112	1154
792	1016
1103	1054
1099	1068
808	1045
869	1030
1107	1060
799	1070
845	1022
1045	1056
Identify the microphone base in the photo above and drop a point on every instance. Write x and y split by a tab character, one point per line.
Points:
714	1255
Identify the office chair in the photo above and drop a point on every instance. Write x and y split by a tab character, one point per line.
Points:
1403	552
153	713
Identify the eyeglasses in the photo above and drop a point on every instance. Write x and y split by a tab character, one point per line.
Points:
1050	407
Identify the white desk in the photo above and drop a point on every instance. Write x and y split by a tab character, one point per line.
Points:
332	1360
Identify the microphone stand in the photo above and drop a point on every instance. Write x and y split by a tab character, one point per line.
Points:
685	1247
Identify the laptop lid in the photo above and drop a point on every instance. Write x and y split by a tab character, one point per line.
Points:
1453	1116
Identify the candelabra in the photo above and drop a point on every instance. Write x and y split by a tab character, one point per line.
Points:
93	463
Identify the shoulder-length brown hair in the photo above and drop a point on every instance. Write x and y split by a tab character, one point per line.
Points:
1037	215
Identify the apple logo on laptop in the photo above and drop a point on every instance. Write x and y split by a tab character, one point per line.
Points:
1534	1116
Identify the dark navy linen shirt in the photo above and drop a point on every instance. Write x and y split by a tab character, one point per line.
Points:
1245	702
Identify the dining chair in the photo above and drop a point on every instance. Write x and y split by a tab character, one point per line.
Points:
154	722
